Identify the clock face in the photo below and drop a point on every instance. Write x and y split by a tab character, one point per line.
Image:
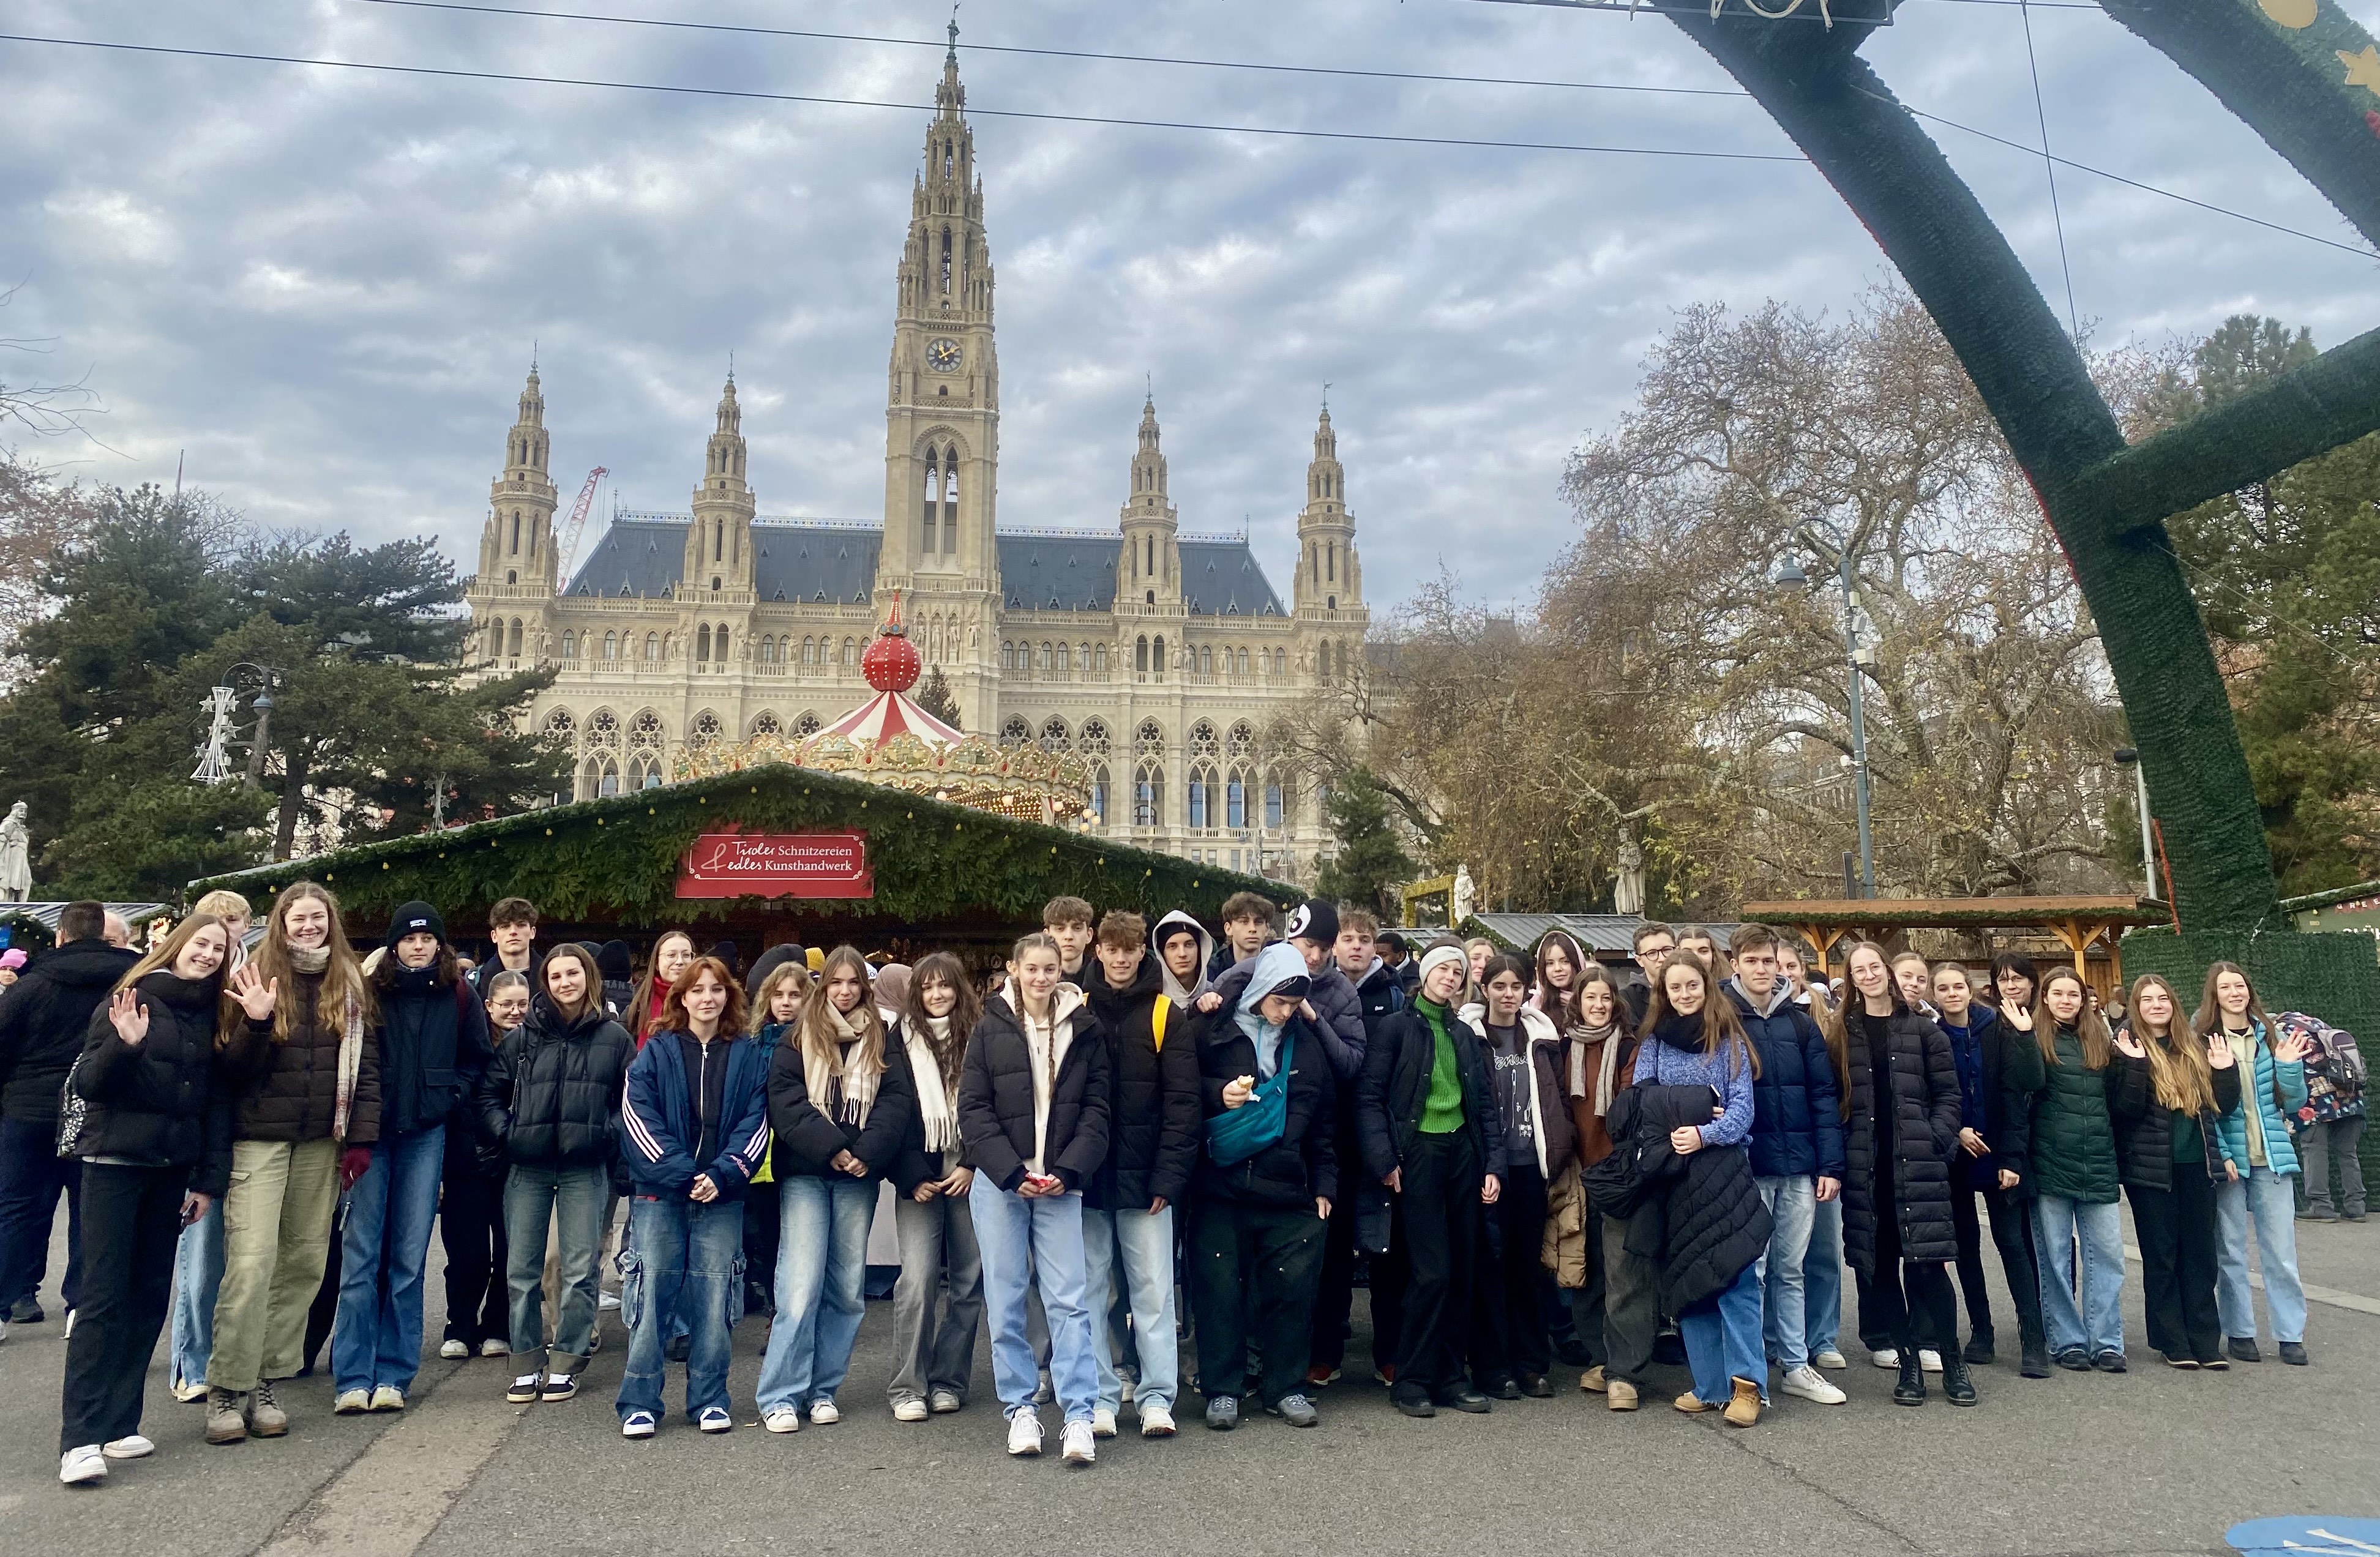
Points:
943	356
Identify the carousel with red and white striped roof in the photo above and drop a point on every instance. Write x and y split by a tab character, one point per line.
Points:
890	739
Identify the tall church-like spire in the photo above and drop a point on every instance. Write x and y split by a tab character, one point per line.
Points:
516	546
1150	571
1329	575
719	544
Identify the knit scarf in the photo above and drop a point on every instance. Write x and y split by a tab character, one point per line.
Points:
1606	1068
843	1094
934	1110
317	960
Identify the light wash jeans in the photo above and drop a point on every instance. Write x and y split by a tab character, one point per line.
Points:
377	1337
1822	1278
2058	1225
1037	1241
1144	1245
1793	1206
197	1273
568	1199
686	1263
2265	1196
821	1287
1723	1336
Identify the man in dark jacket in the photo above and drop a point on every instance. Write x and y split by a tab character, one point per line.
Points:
1379	995
1153	1132
512	925
1796	1145
43	1019
1655	943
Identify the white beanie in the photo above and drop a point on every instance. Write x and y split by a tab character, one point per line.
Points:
1440	955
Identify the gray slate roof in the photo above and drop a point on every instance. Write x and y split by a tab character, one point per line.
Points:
831	564
1609	937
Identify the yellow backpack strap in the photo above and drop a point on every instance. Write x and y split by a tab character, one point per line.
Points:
1156	1023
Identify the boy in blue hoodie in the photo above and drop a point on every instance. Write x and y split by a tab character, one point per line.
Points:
694	1128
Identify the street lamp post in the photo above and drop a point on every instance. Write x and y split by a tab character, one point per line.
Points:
1856	658
2129	756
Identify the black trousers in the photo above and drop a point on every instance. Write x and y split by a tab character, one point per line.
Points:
471	1229
1508	1321
2011	1223
1631	1305
1438	1221
1906	1298
131	1221
1334	1295
2177	1242
1588	1304
1254	1268
760	1235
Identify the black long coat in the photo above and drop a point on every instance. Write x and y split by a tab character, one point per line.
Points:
1925	1136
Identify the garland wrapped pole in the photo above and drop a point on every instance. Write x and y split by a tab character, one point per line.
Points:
2298	71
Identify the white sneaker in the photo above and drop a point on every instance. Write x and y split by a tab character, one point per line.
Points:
454	1350
607	1301
1103	1423
1156	1421
190	1391
823	1413
493	1347
86	1463
910	1411
67	1335
388	1397
715	1419
1023	1434
1929	1361
351	1403
637	1424
1811	1384
784	1418
3	1336
1081	1446
1831	1361
1888	1358
133	1448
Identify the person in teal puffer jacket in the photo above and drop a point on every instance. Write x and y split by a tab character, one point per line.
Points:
2075	1180
2255	1135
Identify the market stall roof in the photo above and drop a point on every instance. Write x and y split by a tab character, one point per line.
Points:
618	860
2076	921
1609	937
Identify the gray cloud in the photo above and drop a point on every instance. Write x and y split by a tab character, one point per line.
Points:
323	285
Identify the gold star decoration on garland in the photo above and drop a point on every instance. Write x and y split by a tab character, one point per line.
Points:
2363	69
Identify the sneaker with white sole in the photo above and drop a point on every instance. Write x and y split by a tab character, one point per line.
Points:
524	1389
944	1402
558	1386
1810	1384
1831	1361
606	1302
823	1413
714	1418
637	1424
454	1350
190	1392
492	1347
1930	1361
910	1411
1103	1423
387	1397
1023	1434
351	1403
784	1418
78	1466
1888	1358
1080	1444
1156	1421
133	1448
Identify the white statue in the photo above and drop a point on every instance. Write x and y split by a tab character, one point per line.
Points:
16	856
1628	892
1465	894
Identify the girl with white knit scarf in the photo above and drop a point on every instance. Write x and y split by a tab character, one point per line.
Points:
934	1341
842	1102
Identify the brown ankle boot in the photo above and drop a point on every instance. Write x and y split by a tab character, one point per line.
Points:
1745	1409
226	1421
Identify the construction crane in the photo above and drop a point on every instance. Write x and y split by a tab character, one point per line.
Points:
566	547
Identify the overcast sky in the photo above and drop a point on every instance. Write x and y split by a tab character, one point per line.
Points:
322	285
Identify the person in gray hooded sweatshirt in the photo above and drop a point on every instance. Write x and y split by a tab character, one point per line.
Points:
1184	948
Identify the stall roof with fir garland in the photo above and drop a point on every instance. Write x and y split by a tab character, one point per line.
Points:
616	860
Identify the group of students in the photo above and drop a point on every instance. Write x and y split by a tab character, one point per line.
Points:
1128	1131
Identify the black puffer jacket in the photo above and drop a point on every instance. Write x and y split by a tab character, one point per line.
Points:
434	1046
164	1101
808	1142
552	1094
1924	1130
288	1087
1304	1164
1153	1120
44	1017
995	1100
2145	1127
1703	1219
1396	1085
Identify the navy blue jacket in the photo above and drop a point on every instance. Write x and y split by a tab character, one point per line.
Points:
659	1132
1797	1122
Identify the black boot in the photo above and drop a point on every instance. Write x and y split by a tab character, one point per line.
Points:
1957	1387
1910	1388
1979	1350
2035	1362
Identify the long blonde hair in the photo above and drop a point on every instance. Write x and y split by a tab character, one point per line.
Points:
2185	1084
2089	1027
162	954
828	1074
343	978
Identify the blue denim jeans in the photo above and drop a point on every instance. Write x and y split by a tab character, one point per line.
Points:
198	1275
570	1199
687	1262
1037	1239
1723	1336
1822	1279
1143	1245
821	1287
1785	1326
2096	1325
2265	1197
32	1175
377	1339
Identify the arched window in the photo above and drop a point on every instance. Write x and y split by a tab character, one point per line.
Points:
515	531
515	649
946	261
1235	800
1100	654
1007	655
570	646
561	725
1202	739
1066	659
654	647
1094	739
1148	795
934	501
706	731
850	655
1322	662
646	743
1099	795
1053	736
610	646
807	725
1240	742
719	644
766	724
603	776
950	500
1148	741
1048	659
1140	654
603	731
1205	661
1157	658
1276	803
810	651
703	645
1015	732
1202	782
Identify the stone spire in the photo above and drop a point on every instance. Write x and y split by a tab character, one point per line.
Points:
1328	576
719	544
1151	572
516	546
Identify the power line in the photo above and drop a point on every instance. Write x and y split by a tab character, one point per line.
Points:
2057	217
1273	130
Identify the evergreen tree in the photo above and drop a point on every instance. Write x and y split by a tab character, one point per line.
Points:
933	694
1371	862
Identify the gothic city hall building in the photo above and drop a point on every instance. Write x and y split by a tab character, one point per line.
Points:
1158	657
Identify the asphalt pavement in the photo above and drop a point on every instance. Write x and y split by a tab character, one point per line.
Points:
2153	1461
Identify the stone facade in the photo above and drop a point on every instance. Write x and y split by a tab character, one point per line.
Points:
1161	655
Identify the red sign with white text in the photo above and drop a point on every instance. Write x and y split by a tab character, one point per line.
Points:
776	866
